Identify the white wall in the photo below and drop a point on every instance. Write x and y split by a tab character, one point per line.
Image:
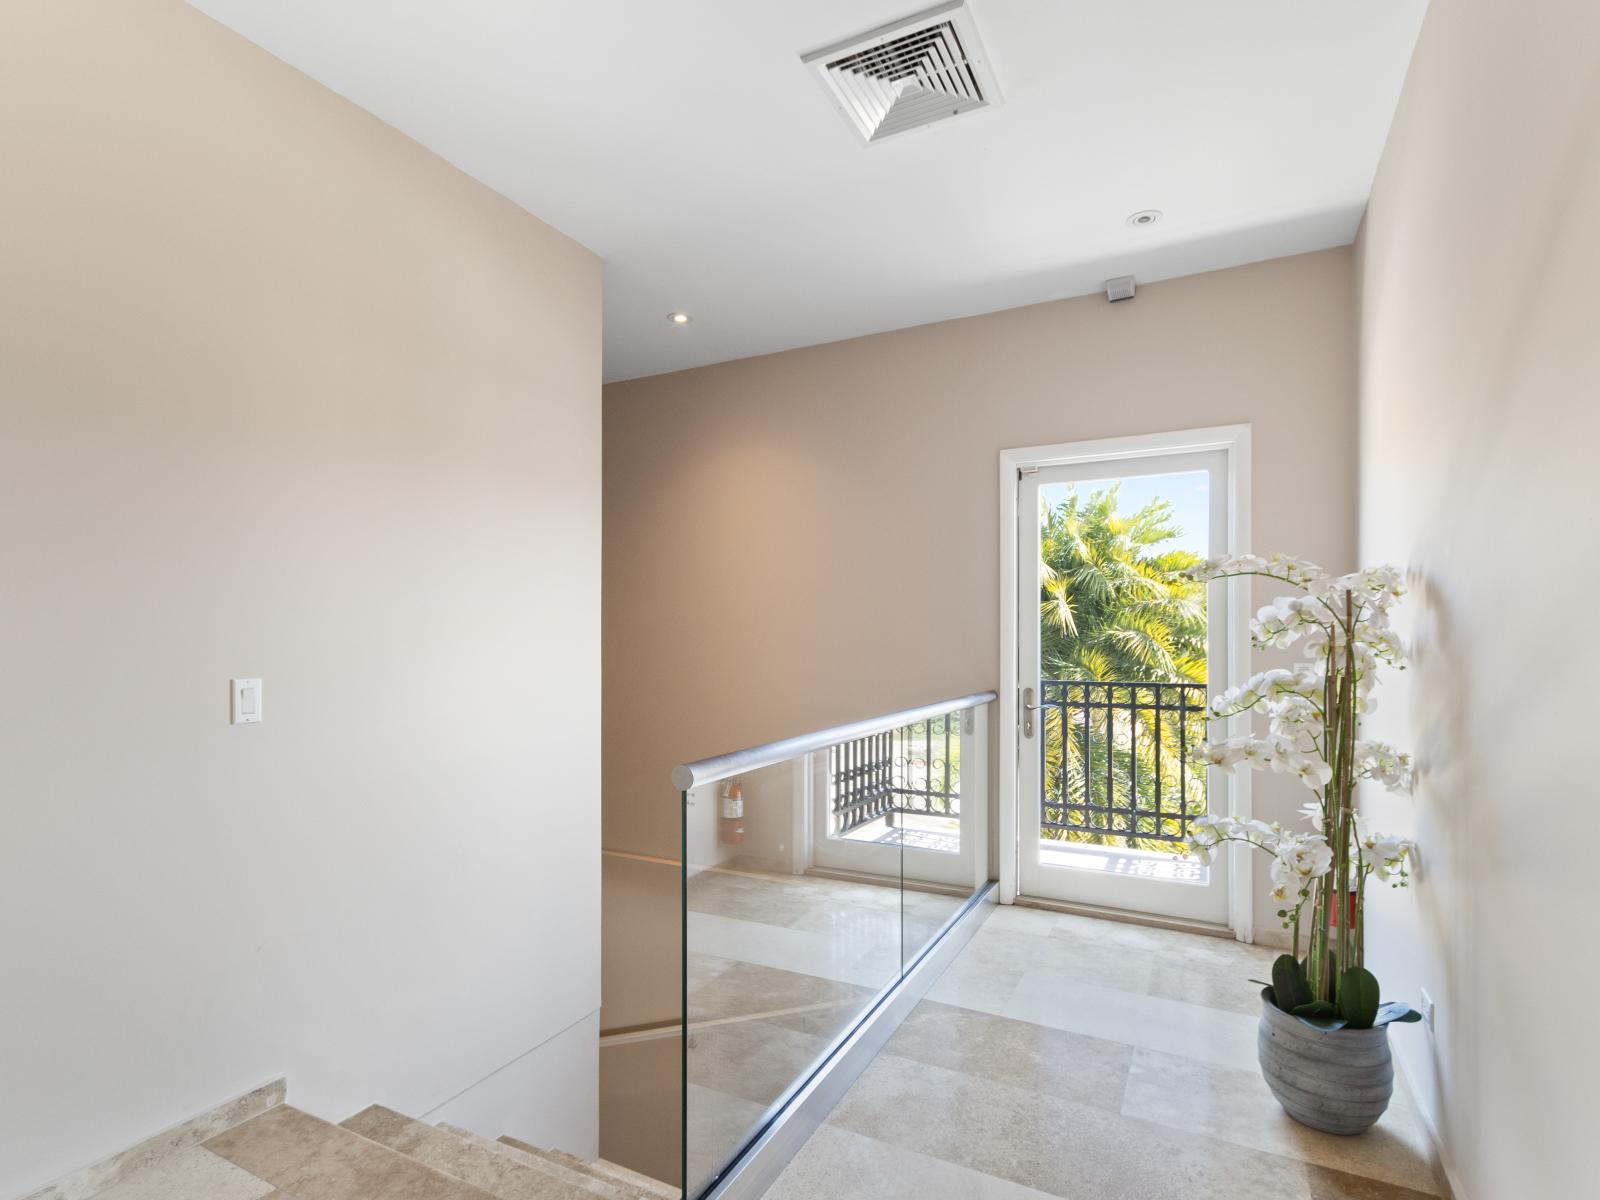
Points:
1480	375
281	395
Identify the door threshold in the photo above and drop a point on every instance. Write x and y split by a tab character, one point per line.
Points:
1126	916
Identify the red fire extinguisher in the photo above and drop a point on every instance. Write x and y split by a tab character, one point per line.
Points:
732	813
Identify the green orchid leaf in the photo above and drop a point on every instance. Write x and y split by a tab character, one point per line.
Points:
1289	983
1358	998
1316	1008
1320	1016
1396	1012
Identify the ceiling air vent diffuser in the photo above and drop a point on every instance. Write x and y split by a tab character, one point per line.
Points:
909	74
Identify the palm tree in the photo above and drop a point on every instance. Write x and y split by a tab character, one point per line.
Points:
1116	606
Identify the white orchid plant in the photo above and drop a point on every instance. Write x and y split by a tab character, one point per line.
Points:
1341	627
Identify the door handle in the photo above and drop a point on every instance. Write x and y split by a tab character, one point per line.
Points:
1028	709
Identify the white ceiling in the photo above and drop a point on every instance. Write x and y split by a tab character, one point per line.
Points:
686	144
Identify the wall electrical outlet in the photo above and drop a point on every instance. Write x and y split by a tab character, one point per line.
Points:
1425	1007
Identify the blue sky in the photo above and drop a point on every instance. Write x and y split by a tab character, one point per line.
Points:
1187	491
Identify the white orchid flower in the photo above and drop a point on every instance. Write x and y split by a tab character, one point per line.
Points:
1313	772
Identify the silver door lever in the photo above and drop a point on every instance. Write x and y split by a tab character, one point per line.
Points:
1028	709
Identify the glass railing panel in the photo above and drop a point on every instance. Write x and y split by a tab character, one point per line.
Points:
783	956
941	772
814	872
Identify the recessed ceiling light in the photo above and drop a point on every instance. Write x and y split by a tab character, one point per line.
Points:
678	318
1145	216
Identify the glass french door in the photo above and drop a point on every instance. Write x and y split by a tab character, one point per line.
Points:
1116	650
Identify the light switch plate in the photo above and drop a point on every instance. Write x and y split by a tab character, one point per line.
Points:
246	706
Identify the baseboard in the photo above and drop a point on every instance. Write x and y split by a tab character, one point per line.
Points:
96	1178
1125	916
909	885
1449	1186
627	1035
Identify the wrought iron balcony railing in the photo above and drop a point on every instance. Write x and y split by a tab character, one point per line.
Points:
1119	760
915	769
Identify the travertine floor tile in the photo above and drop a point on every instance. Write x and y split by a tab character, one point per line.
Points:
1072	1150
1085	1058
1236	1105
191	1174
1338	1185
1190	1030
841	1165
1052	1062
756	1060
860	952
312	1160
724	987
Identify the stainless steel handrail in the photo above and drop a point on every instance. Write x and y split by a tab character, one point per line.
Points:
709	770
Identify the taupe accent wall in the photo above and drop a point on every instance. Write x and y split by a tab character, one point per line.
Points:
1480	419
801	539
282	395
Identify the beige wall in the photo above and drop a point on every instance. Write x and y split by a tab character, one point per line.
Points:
281	394
1480	376
801	539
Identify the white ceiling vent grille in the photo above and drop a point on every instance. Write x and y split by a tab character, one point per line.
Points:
909	74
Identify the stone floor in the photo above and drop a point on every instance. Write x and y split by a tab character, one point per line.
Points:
1071	1057
779	967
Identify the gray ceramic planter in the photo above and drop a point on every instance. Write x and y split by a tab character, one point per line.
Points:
1338	1082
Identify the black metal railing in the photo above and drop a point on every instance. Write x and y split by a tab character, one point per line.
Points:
913	769
1119	760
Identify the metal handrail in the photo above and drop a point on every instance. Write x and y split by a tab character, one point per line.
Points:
709	770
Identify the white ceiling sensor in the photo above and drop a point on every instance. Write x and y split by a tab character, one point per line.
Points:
908	74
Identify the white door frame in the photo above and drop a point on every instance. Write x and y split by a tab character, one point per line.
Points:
1235	440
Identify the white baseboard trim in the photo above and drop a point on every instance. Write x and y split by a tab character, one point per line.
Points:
97	1177
1126	916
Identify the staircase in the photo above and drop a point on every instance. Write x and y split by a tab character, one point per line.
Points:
287	1154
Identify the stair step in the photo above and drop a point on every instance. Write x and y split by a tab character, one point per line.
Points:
310	1159
469	1159
542	1161
643	1186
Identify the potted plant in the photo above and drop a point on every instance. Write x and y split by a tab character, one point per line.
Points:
1323	1042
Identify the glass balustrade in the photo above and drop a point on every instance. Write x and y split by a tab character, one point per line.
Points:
815	873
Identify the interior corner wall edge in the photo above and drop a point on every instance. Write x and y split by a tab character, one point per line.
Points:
1479	371
284	395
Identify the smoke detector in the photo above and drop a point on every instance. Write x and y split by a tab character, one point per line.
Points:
908	74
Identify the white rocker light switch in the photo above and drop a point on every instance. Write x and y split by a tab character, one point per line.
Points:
246	708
